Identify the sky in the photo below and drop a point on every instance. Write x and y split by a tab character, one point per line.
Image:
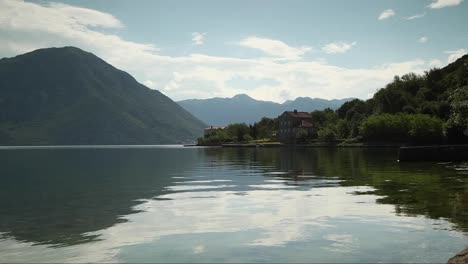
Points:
269	50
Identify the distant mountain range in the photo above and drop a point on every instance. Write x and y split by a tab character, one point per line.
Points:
61	96
242	108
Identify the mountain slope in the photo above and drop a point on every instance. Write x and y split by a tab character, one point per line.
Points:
69	96
242	108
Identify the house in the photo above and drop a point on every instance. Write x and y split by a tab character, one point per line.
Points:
294	124
211	130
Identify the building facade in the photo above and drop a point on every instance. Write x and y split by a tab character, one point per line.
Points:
293	125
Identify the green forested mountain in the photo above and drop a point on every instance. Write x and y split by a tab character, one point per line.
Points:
69	96
420	109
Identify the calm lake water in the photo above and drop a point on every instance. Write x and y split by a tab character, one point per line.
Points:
175	204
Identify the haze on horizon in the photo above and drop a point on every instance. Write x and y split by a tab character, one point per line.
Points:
269	50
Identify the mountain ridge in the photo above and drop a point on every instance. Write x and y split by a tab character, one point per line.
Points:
242	108
70	96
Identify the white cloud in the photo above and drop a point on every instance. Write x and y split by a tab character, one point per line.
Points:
149	84
444	3
29	26
423	39
338	47
275	48
198	38
416	16
455	54
87	16
386	14
435	63
285	217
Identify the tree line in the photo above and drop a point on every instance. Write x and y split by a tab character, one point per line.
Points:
430	108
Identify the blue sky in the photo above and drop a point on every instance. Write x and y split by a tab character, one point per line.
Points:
270	50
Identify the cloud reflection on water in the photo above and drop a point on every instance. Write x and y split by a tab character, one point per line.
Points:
235	208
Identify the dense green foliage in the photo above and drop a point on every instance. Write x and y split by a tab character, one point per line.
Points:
412	109
417	128
457	124
265	129
68	96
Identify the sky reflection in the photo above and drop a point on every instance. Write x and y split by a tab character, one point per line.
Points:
239	212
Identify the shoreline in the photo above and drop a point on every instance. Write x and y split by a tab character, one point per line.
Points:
438	153
441	153
460	258
253	145
282	145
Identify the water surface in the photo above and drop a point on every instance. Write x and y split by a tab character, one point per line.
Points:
174	204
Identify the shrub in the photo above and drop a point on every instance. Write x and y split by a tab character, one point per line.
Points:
217	137
385	127
425	129
327	134
248	137
415	128
237	131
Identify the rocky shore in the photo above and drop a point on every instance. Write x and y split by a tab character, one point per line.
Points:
460	258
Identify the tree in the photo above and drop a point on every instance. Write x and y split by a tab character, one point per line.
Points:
301	136
385	127
253	131
237	131
425	129
390	100
413	128
217	137
327	134
351	108
267	127
433	80
457	124
342	129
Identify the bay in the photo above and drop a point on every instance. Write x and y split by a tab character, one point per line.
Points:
175	204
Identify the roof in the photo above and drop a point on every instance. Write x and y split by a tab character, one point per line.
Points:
298	114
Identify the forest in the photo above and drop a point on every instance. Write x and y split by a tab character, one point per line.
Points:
413	109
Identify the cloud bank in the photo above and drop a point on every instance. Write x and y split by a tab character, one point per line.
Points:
29	26
455	54
275	48
444	3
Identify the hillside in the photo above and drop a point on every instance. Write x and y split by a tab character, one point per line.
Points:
431	108
244	109
60	96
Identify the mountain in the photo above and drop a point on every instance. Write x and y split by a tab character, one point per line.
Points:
316	103
242	108
60	96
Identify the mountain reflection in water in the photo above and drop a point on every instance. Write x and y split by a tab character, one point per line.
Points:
125	202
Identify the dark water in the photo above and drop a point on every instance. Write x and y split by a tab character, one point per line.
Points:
174	204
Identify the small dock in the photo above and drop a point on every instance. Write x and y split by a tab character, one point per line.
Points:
443	153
